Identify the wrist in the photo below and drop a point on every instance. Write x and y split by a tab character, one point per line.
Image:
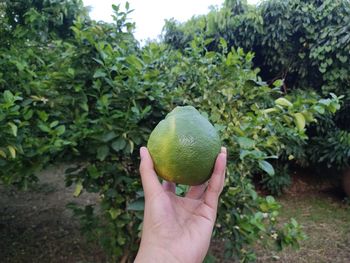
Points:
155	254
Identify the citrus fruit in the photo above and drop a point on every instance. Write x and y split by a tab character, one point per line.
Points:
184	147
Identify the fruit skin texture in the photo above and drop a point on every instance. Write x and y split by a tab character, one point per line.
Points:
184	147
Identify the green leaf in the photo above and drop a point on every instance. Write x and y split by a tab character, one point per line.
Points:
12	151
112	193
256	154
108	136
322	69
264	207
232	191
245	142
93	172
78	189
13	128
329	61
131	146
135	61
137	205
208	41
181	189
54	124
8	96
71	72
44	127
299	120
2	116
223	43
325	102
60	130
99	61
269	110
267	167
43	115
104	101
119	144
28	115
328	48
343	59
308	116
319	109
114	212
270	199
115	8
84	106
2	154
102	152
283	102
278	83
99	74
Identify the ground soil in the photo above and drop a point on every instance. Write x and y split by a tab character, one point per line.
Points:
325	218
36	226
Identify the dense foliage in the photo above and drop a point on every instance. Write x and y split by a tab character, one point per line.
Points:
90	96
304	43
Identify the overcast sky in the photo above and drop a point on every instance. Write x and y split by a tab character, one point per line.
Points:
149	15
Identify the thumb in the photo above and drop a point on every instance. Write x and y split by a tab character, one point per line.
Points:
216	182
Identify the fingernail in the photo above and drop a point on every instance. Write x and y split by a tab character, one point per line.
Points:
223	150
142	151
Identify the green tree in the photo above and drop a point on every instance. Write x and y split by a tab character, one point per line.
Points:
304	43
94	97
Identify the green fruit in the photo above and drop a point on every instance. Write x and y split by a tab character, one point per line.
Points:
184	147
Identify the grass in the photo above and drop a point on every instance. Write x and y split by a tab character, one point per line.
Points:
326	222
325	217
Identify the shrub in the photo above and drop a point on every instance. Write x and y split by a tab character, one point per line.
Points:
276	183
219	84
94	98
304	43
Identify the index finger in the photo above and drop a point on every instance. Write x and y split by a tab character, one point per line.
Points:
149	178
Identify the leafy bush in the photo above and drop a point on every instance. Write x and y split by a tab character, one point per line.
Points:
279	181
32	108
304	43
93	99
334	147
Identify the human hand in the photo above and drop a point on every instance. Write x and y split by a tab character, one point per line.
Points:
178	229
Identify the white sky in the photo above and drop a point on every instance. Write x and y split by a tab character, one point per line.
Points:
149	15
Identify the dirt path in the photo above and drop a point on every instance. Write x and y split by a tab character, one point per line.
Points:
35	226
